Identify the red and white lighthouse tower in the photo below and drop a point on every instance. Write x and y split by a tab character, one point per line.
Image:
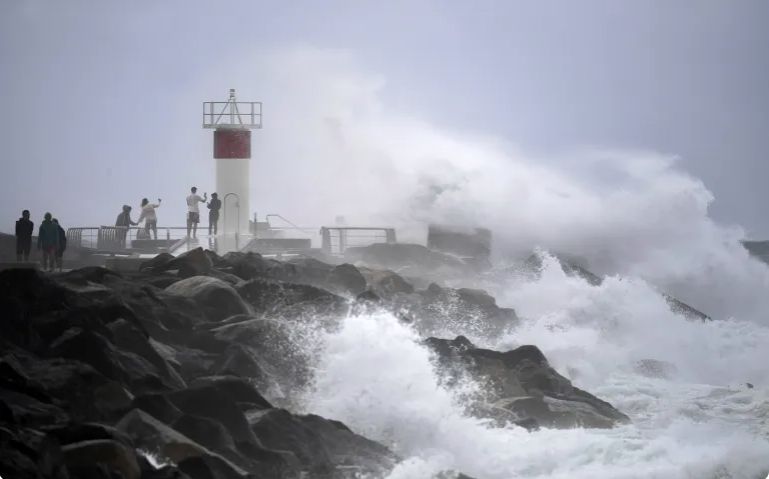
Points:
232	122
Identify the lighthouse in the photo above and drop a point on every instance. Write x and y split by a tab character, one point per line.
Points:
232	122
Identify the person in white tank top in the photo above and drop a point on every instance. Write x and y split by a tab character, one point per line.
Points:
193	212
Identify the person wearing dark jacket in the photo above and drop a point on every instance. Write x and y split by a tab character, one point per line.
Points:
24	229
62	244
48	242
213	214
123	222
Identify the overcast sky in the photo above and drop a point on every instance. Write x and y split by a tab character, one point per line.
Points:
100	101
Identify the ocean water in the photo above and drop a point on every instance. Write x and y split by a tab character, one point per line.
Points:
637	217
699	419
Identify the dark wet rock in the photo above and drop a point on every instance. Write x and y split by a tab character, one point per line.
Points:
250	456
228	278
80	391
22	409
152	435
214	467
129	337
206	432
438	311
110	454
277	298
27	294
346	279
26	452
93	349
157	406
163	472
265	352
245	265
157	264
79	432
236	389
240	361
302	270
192	263
386	283
679	307
217	299
521	386
187	357
208	401
321	445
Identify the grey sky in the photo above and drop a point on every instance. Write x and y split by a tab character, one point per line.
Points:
91	114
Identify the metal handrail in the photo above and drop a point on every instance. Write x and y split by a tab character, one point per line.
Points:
293	226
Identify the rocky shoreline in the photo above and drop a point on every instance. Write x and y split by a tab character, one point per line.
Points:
190	368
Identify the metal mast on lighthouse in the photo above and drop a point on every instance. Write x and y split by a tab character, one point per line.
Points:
232	122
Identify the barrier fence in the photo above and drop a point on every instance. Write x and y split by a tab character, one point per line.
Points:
119	238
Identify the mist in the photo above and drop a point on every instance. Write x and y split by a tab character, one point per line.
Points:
628	138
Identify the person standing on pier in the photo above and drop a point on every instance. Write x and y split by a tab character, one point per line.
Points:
48	242
122	223
24	229
62	244
213	213
193	212
149	216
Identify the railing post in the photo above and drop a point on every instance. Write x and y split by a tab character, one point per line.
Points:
325	238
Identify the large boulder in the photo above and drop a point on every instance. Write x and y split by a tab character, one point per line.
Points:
152	435
322	446
216	298
210	402
346	279
206	432
440	311
521	387
87	431
30	454
264	350
291	300
386	283
157	264
130	338
158	406
110	454
130	369
245	265
236	389
214	467
79	390
192	263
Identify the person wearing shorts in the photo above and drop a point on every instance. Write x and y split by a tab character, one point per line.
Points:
193	212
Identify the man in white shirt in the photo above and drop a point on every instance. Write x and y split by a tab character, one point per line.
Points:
193	213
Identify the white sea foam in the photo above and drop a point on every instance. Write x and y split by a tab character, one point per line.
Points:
636	216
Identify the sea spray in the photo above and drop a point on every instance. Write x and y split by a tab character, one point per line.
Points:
374	375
